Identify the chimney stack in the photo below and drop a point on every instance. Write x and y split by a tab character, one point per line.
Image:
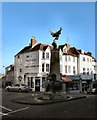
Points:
33	41
68	46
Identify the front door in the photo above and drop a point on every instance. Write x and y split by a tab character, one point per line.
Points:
37	84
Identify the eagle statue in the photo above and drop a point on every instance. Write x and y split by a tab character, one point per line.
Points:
56	34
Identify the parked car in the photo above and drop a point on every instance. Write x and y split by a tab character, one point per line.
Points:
18	87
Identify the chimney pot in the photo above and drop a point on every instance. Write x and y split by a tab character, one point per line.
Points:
33	41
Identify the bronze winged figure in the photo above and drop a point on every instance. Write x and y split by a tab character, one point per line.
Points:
56	34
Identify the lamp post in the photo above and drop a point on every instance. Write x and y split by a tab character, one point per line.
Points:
3	70
80	84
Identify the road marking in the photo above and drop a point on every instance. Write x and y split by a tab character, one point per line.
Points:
1	114
15	111
5	108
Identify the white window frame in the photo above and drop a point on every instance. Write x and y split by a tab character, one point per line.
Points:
47	55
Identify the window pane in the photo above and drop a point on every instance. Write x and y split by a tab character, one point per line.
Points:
69	58
47	55
65	58
65	69
83	58
43	82
74	72
69	69
73	59
43	55
47	67
42	67
83	71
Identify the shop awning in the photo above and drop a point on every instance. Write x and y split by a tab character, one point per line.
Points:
66	79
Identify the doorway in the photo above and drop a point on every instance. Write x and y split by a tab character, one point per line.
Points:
37	84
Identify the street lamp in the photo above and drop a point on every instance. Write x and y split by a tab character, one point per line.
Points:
3	70
80	83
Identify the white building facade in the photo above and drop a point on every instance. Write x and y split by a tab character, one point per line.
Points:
32	66
78	65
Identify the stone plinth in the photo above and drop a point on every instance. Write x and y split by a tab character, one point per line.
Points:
55	63
47	96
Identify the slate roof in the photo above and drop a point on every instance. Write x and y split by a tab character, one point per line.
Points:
37	47
72	51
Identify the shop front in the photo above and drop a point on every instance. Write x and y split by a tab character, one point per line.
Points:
35	82
86	85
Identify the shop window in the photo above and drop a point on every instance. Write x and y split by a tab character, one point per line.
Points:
43	82
28	81
32	83
87	71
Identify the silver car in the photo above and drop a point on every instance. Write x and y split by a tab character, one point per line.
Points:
18	87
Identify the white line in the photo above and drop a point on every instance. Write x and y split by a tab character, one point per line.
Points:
2	114
16	111
5	108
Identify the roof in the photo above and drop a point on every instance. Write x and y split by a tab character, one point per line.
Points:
71	51
37	47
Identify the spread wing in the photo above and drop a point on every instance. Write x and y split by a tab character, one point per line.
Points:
59	32
56	34
52	33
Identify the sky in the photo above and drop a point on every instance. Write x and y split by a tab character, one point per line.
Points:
22	20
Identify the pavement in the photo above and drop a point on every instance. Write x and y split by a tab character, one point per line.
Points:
36	98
